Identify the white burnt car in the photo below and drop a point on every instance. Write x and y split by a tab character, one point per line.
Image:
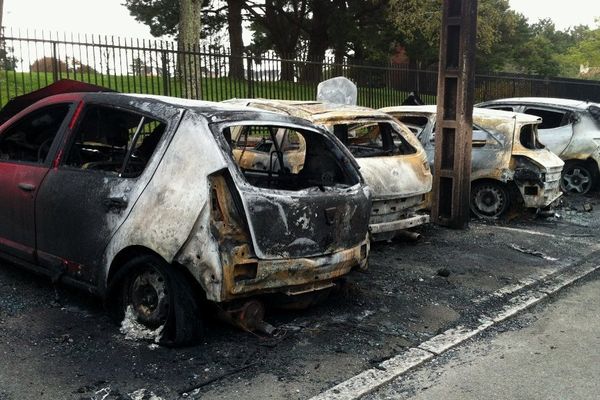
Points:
391	159
139	199
509	164
570	129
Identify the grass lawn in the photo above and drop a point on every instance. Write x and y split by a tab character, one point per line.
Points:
214	89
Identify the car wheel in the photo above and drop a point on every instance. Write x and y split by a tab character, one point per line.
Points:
159	298
576	178
489	200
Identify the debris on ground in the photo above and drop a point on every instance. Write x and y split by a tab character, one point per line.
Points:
532	252
133	330
443	272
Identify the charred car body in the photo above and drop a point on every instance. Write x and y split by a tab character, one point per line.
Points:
570	129
508	160
392	162
139	200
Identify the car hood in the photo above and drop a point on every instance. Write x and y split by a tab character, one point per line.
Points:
396	177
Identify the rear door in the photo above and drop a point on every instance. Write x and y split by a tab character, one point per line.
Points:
88	196
27	147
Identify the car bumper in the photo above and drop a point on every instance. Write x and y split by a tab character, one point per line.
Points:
392	226
536	196
292	276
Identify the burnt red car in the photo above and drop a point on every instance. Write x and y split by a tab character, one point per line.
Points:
138	199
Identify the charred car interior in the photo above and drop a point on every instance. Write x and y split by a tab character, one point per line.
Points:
372	139
284	158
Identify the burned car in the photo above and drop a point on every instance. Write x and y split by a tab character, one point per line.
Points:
138	199
391	159
570	129
508	162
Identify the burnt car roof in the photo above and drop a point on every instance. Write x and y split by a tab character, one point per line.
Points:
318	110
17	104
544	101
213	111
480	113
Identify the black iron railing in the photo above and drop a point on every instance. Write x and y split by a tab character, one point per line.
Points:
31	60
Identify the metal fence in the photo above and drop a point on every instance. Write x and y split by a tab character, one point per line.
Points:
31	60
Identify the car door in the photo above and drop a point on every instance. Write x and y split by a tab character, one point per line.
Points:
88	196
27	147
556	129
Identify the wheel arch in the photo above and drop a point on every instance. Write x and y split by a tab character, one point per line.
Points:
129	253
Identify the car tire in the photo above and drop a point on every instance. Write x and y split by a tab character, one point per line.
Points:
489	200
160	297
577	178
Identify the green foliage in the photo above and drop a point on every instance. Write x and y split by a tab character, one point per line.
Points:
162	16
585	52
8	62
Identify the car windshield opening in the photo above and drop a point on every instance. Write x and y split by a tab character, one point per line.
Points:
373	139
285	158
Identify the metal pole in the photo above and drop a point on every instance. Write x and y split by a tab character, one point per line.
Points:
456	85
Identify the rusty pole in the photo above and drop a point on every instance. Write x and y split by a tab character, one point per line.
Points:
452	170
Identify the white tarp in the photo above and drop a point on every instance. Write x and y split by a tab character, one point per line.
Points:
337	90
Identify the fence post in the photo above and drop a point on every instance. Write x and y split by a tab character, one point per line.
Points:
55	64
165	73
250	77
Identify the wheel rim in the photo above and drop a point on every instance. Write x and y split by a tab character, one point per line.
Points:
489	201
149	298
576	180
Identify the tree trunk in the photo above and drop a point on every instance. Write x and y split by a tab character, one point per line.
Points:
318	41
1	11
236	41
190	25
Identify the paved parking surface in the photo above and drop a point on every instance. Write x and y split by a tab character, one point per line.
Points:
551	352
59	344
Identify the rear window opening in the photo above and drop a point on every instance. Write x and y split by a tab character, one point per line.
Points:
529	138
415	123
373	139
550	119
284	158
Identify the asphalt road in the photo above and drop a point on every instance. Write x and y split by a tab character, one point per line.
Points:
552	352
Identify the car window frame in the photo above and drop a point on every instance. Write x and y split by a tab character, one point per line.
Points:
58	139
567	114
70	140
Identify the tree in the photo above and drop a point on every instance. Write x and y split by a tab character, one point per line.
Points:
277	25
236	40
584	53
162	16
139	67
418	25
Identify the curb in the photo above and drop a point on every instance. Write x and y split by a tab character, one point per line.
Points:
373	378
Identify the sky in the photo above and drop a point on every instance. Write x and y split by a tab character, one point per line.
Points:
111	18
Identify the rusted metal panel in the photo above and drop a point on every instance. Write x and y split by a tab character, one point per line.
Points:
452	181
